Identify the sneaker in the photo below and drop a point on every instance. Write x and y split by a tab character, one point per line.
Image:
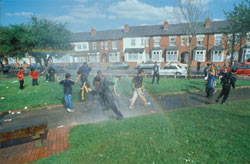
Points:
147	104
223	102
217	100
119	118
69	110
131	107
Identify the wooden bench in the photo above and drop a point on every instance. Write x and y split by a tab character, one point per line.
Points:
35	131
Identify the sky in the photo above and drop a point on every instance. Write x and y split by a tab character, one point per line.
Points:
81	15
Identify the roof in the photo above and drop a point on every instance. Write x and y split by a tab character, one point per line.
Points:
134	50
156	48
214	48
171	48
148	31
114	51
199	48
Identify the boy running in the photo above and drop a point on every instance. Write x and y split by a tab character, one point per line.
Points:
34	74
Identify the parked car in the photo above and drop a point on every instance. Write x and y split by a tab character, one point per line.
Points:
146	65
7	68
120	65
172	70
182	65
243	69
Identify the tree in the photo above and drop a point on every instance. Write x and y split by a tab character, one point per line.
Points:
15	40
191	12
239	23
49	38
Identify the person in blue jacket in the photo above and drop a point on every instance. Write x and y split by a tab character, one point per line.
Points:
156	73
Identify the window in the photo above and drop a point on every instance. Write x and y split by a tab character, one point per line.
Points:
182	41
217	56
156	56
132	57
147	42
199	56
172	41
94	58
84	46
200	39
113	57
94	45
102	46
156	41
78	46
172	56
106	45
132	42
114	44
217	39
142	42
248	37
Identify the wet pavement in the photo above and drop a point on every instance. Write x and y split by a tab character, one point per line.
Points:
90	112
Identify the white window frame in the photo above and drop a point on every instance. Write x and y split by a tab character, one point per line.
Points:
172	55
133	42
248	37
157	40
246	53
132	57
200	39
157	55
216	40
199	52
172	42
94	45
114	57
94	58
147	42
106	45
114	44
142	42
216	54
183	41
102	45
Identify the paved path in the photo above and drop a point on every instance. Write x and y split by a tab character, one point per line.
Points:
90	112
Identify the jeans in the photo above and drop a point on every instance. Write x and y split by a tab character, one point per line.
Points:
158	77
68	100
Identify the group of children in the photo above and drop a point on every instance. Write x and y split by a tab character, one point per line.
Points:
227	78
34	75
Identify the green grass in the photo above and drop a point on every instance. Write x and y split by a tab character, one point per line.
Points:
174	85
52	93
3	76
46	93
211	134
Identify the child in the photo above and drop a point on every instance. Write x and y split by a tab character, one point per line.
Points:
34	74
210	84
138	89
20	78
67	88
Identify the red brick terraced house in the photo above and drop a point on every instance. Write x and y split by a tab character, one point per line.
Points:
161	43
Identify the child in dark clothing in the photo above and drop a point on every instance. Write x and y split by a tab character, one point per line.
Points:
67	89
34	74
20	78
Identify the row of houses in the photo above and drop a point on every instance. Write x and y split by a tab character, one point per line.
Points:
160	43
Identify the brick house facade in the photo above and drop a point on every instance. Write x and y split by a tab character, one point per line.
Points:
162	43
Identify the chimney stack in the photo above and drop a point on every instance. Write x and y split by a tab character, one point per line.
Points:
165	25
207	23
126	28
92	31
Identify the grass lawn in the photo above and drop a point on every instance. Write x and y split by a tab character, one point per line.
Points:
174	85
208	134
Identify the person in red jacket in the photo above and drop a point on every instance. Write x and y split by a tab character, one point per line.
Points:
20	78
34	74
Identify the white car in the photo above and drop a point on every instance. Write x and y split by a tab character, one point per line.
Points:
146	65
172	70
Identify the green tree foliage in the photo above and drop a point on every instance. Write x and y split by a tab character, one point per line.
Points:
239	22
